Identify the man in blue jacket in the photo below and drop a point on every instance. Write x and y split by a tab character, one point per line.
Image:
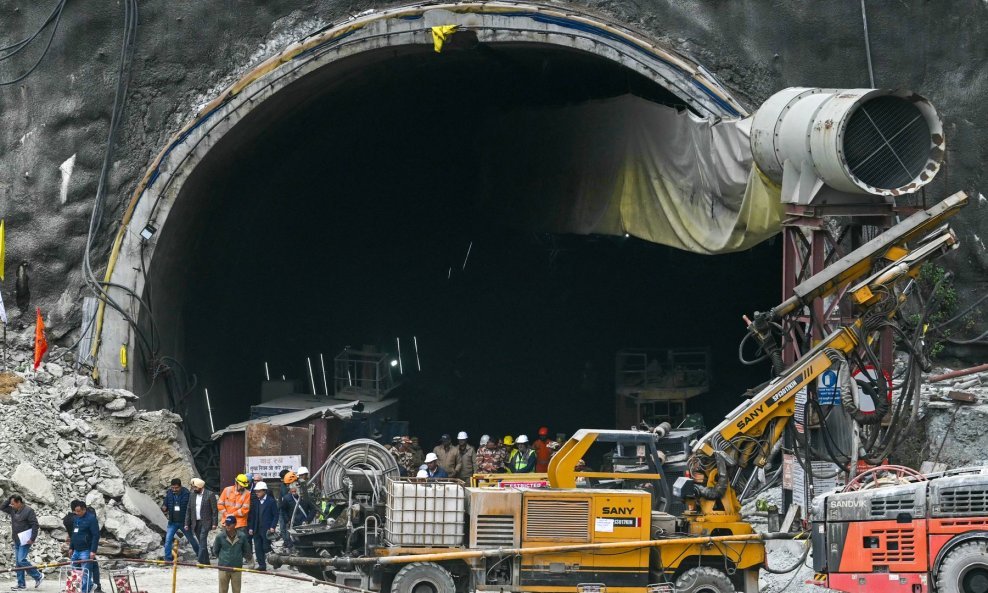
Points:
175	507
262	521
83	541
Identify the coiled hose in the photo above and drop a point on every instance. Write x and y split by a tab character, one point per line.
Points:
368	457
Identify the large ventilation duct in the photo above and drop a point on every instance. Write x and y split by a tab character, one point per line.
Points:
858	141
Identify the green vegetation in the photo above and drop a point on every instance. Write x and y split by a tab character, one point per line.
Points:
939	289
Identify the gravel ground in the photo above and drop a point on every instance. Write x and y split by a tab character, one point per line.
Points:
190	580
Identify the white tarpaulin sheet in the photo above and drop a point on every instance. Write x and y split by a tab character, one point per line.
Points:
627	165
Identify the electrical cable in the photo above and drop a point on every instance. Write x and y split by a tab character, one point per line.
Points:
864	21
980	338
24	43
16	47
795	566
962	314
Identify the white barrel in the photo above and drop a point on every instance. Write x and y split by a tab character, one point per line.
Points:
871	141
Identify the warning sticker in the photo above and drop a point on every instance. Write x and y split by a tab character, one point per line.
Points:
603	525
623	522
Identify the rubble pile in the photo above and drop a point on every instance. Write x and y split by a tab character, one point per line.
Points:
955	427
62	438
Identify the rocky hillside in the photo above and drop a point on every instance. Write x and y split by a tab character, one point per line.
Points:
61	439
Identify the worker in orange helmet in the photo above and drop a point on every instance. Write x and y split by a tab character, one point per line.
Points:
542	451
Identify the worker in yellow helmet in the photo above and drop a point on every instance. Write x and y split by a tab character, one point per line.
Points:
507	445
235	500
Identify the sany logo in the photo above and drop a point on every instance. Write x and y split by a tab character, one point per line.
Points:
618	510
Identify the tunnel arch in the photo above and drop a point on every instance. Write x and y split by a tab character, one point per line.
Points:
362	40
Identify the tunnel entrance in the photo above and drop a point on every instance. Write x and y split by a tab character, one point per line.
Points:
352	207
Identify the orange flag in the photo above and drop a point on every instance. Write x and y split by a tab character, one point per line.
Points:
40	343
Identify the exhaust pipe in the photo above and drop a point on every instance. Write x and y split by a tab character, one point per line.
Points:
859	141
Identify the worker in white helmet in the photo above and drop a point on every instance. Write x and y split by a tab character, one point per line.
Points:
522	459
467	457
433	470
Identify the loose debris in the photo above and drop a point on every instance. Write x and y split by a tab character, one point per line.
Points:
62	438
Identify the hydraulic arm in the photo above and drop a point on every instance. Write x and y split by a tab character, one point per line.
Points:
874	276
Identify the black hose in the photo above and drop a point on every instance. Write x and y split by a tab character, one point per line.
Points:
717	491
795	566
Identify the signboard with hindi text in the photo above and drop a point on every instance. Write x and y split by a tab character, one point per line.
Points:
270	466
270	448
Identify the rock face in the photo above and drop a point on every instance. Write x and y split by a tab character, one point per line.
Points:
150	449
59	442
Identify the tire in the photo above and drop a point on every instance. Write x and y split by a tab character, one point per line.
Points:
965	569
704	579
423	577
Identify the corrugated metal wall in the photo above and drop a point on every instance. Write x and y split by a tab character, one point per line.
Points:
232	460
325	437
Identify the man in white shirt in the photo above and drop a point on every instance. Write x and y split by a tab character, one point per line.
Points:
201	516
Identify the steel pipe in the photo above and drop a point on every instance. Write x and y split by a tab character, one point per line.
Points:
345	563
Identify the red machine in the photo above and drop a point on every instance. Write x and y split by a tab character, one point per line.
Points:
903	533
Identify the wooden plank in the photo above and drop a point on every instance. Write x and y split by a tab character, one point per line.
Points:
963	397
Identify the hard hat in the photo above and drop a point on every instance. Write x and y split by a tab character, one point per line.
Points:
302	470
260	486
422	474
431	457
396	439
445	437
544	431
242	480
521	439
485	439
290	478
461	436
508	440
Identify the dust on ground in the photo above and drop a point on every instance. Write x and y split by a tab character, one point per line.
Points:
190	580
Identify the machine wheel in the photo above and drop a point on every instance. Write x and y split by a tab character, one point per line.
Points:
965	569
423	577
704	579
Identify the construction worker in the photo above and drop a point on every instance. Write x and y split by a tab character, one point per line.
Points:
433	469
522	459
448	456
467	457
418	455
303	474
401	451
490	458
507	445
543	451
235	502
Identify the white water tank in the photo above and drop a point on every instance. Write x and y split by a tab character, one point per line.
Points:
425	513
859	141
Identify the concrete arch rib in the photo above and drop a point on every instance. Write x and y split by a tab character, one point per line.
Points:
492	23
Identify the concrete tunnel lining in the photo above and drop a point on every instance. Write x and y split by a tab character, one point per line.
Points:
365	38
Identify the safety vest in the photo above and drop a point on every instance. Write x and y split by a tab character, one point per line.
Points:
326	508
234	503
518	462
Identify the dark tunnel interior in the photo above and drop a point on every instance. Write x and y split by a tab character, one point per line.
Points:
344	212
